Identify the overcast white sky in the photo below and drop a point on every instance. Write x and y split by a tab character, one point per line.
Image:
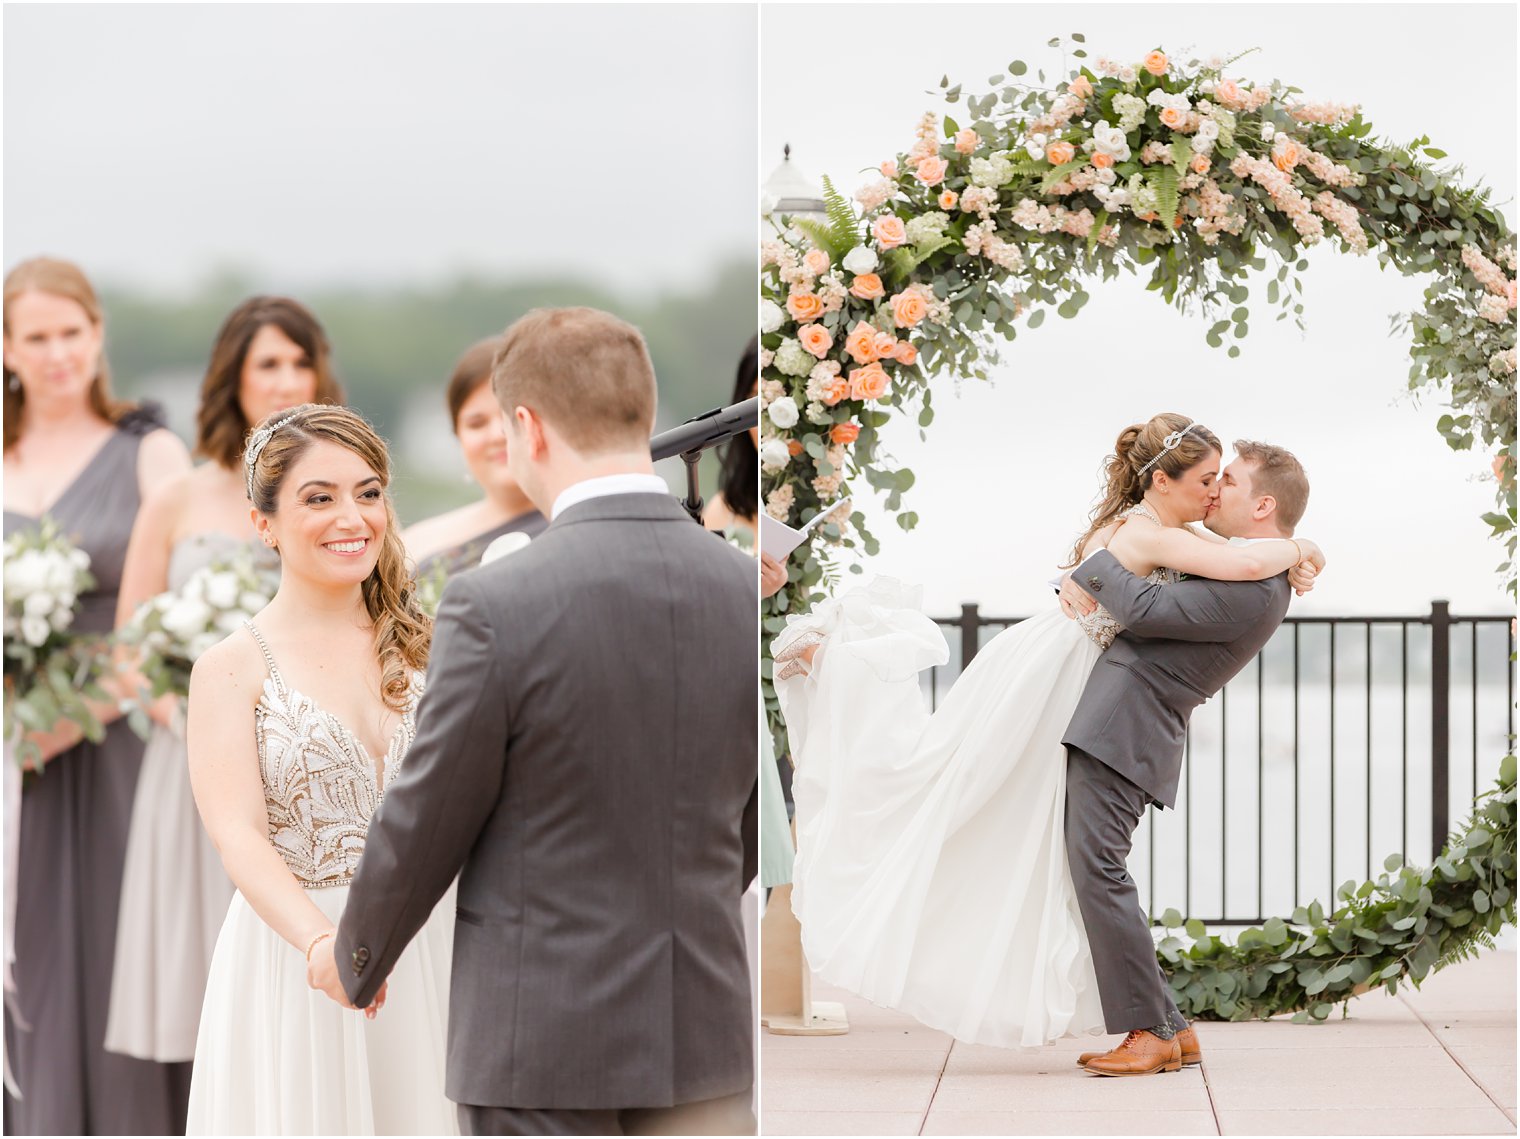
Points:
1009	469
385	144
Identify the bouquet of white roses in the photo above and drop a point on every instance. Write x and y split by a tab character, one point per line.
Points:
48	670
174	628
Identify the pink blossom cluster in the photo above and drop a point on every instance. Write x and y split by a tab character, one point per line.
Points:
1080	182
766	356
770	252
1029	214
1108	236
1325	114
1489	275
1502	363
1494	308
1123	72
927	131
875	194
1156	151
820	380
770	391
1063	109
1216	213
1342	215
980	200
1506	256
778	504
1233	97
1283	193
827	486
1077	224
1329	172
789	267
983	240
832	292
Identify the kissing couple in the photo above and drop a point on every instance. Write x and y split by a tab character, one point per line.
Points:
574	743
968	866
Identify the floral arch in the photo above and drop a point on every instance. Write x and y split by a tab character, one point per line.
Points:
1209	185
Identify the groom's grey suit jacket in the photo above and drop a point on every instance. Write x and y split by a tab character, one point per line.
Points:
1181	643
585	761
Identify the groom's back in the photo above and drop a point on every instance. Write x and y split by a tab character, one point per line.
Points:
602	897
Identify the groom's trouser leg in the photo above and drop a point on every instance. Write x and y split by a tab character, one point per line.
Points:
1102	811
726	1115
534	1121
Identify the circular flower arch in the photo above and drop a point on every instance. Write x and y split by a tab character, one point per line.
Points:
1205	182
1210	185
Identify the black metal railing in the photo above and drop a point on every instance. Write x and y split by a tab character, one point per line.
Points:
1268	757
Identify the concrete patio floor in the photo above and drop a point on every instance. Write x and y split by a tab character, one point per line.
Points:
1438	1061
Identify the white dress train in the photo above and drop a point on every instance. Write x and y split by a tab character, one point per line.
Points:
931	871
273	1056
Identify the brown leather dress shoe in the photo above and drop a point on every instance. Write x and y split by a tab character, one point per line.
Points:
1141	1053
1187	1039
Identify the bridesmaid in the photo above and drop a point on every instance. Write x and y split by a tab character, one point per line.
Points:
734	508
454	541
270	355
74	453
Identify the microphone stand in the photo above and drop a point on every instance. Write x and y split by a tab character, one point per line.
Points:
696	435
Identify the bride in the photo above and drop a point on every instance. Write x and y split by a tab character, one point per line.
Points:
931	873
297	725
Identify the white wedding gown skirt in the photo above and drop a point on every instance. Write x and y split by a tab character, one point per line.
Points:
931	870
276	1057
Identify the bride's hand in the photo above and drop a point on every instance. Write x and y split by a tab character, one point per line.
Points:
322	971
1301	577
1312	553
379	1002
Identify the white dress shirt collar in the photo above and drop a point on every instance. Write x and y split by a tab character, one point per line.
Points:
605	485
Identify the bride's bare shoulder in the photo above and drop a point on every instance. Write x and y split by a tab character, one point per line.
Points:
232	664
1100	539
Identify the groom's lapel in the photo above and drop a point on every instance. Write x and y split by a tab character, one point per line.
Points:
641	507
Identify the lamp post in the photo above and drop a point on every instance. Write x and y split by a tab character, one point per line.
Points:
789	193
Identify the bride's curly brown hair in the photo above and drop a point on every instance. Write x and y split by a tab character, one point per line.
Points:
403	632
1129	472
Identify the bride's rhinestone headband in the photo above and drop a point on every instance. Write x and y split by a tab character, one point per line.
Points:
256	445
1167	445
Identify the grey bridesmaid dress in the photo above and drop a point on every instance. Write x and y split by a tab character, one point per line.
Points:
74	819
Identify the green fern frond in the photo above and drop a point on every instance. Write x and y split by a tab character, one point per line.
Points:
823	237
843	224
901	262
1164	181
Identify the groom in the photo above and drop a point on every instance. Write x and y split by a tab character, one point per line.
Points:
1181	644
585	763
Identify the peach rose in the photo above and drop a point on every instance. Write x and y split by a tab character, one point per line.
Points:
889	231
905	354
867	286
947	199
1173	117
908	308
1286	153
1155	63
1102	159
1227	91
885	345
1200	164
835	388
794	447
931	170
1060	152
804	306
1081	87
965	140
889	168
861	343
845	432
817	262
816	339
870	382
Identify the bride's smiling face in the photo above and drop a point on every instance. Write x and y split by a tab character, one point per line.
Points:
1190	494
330	518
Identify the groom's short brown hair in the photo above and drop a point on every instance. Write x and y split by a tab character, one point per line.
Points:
1278	473
582	370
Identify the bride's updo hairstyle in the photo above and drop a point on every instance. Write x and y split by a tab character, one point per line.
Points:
1139	452
402	631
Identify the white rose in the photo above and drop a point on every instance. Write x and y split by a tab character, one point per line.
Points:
1267	131
1208	131
1035	147
784	412
35	630
1126	74
1111	141
221	590
60	572
25	575
772	316
194	589
38	604
1106	176
861	259
187	616
773	454
79	559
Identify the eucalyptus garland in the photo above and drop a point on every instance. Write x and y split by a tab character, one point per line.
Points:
1400	927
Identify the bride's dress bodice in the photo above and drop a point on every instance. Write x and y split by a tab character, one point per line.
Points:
1100	625
320	786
